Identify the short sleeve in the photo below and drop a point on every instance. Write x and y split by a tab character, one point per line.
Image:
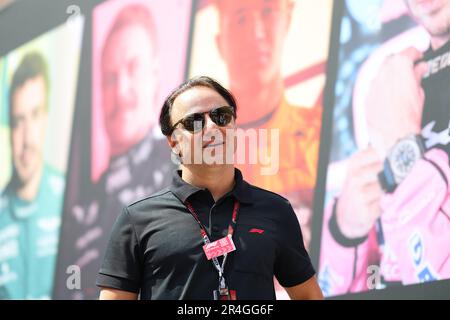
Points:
293	265
122	267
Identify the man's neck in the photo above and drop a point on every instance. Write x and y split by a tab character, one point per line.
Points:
219	180
439	41
29	191
257	103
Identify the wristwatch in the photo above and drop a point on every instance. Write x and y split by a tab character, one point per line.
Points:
400	160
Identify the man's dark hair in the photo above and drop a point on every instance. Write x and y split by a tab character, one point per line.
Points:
32	65
202	81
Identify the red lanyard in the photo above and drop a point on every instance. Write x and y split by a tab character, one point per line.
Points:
220	268
231	226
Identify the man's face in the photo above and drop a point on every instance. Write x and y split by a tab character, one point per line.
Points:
251	38
28	124
129	86
434	15
213	144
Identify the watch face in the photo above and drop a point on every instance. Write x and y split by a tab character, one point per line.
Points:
403	157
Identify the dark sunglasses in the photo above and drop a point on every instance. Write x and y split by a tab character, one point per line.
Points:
195	122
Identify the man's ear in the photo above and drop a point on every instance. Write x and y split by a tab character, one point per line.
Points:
173	144
171	141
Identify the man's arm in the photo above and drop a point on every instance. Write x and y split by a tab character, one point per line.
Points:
121	272
114	294
308	290
417	221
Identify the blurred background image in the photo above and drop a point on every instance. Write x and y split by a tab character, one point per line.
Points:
357	89
39	83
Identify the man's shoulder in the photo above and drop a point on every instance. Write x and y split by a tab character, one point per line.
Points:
162	197
291	116
304	114
261	195
270	205
151	208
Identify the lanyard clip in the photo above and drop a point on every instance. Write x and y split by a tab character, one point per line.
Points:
222	285
222	294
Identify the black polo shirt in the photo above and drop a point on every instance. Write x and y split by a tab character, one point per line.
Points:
156	245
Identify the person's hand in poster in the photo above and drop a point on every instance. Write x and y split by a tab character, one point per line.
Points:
358	206
395	100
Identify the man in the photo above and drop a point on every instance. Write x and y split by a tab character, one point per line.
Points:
31	204
250	40
393	211
156	245
139	163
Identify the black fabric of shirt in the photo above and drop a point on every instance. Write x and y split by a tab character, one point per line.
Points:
155	248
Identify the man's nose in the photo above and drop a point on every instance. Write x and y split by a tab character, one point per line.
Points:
209	124
27	132
259	30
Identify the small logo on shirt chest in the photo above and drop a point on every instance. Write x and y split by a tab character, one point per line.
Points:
255	230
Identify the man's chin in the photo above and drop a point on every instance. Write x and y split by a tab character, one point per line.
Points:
24	177
258	80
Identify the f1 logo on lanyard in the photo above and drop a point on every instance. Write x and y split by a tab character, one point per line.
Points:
219	248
